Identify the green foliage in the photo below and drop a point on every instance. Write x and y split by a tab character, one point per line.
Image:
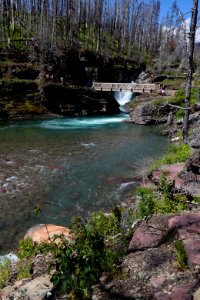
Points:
181	256
197	82
196	199
174	83
146	203
95	249
27	248
30	107
23	268
180	96
163	200
159	101
179	114
5	272
169	201
175	154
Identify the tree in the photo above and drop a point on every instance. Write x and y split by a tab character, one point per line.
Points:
190	70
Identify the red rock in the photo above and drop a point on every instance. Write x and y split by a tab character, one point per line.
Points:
192	249
161	296
172	173
188	227
184	220
183	292
157	282
38	233
144	239
150	233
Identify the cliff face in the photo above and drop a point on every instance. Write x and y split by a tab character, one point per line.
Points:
60	85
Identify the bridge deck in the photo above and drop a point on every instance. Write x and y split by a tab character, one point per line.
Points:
132	87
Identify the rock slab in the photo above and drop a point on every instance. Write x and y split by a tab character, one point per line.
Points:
36	289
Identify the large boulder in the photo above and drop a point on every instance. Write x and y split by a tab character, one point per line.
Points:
44	233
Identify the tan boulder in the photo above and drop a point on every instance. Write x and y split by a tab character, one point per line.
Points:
37	289
41	232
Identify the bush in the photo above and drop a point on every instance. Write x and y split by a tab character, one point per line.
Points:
27	248
169	201
180	96
181	256
175	154
5	272
146	203
24	269
164	200
96	248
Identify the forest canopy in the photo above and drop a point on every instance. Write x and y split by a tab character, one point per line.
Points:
127	28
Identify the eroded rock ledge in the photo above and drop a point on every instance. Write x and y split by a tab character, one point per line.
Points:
150	269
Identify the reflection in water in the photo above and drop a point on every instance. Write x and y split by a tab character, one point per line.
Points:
69	167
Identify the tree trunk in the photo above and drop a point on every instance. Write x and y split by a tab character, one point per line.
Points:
190	70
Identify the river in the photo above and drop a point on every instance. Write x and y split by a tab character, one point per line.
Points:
70	167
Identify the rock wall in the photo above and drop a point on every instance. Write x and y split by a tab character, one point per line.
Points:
60	85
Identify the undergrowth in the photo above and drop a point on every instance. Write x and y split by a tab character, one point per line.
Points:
180	254
161	200
98	244
5	272
175	154
96	248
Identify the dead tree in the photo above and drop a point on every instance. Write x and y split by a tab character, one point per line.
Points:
190	70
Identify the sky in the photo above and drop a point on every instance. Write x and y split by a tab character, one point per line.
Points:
185	7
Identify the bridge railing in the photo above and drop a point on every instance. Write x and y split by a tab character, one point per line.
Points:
134	87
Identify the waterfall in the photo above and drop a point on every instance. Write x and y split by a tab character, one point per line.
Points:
122	98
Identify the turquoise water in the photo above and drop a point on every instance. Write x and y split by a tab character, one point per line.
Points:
69	167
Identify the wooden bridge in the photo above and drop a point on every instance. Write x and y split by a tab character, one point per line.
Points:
132	87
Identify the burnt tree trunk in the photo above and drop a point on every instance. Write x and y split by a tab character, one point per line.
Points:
190	70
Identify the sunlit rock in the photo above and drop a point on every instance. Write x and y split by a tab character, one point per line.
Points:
44	233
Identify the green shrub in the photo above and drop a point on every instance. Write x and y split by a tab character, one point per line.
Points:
5	272
159	101
167	205
179	114
79	264
27	248
96	248
175	154
146	203
181	256
169	201
23	269
180	96
164	200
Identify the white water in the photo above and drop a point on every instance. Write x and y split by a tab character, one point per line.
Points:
123	97
67	123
